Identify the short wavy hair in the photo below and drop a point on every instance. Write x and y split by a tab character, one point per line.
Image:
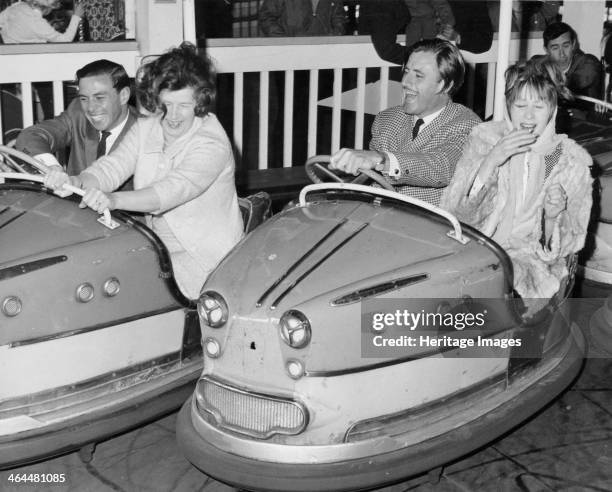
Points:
115	71
449	60
542	78
177	69
556	29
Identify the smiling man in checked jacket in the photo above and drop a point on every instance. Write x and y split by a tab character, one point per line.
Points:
417	145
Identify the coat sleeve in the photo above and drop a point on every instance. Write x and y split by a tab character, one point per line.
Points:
205	159
338	18
46	31
473	24
383	21
475	209
49	136
269	16
435	166
588	78
570	228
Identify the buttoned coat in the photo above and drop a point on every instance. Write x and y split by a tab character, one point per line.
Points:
194	180
427	163
71	129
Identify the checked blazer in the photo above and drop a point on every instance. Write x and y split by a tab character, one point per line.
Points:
427	163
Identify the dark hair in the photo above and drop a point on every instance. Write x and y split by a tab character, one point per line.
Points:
535	77
115	71
177	69
556	29
449	59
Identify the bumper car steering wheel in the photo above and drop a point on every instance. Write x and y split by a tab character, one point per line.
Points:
28	165
317	171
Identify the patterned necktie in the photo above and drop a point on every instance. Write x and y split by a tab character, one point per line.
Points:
417	126
102	144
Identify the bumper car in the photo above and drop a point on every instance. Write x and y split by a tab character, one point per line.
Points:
297	393
596	259
96	338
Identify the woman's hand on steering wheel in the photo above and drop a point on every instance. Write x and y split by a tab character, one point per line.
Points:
98	200
56	178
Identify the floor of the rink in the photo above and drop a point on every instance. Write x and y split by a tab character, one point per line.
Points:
566	447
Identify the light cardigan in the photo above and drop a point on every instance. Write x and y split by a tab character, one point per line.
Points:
20	23
193	178
538	270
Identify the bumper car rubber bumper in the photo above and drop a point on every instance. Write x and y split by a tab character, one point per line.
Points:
365	473
46	442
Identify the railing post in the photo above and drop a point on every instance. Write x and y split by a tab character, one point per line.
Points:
503	51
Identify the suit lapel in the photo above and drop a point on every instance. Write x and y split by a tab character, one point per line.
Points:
437	123
130	121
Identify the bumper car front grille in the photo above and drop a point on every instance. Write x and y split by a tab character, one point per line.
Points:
253	414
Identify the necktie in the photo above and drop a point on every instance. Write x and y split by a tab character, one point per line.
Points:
102	144
415	129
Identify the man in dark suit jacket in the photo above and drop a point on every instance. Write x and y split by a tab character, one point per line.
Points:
384	19
417	145
92	125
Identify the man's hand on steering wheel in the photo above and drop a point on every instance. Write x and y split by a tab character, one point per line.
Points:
352	161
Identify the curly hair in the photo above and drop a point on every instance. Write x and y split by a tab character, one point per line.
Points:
177	69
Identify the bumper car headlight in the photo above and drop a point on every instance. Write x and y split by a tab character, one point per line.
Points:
295	329
212	309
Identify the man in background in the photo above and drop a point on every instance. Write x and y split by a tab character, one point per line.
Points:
583	72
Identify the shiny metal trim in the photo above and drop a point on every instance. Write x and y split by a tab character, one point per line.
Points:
200	406
105	287
263	297
23	268
6	301
81	288
378	289
283	294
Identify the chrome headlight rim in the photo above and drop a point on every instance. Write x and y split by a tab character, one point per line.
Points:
206	309
294	328
11	306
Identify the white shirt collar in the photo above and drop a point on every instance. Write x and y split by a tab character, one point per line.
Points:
114	133
430	117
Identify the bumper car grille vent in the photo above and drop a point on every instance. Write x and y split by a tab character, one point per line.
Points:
254	414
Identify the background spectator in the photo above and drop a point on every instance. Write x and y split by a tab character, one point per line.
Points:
23	22
302	18
428	19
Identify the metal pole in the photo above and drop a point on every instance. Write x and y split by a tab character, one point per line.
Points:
503	54
189	28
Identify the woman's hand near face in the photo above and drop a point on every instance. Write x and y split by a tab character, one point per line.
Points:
98	200
555	201
515	142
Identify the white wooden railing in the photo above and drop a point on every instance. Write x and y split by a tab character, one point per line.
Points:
25	64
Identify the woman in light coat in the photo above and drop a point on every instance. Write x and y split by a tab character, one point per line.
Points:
182	164
526	186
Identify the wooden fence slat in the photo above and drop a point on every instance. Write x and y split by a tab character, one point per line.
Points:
288	120
264	105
